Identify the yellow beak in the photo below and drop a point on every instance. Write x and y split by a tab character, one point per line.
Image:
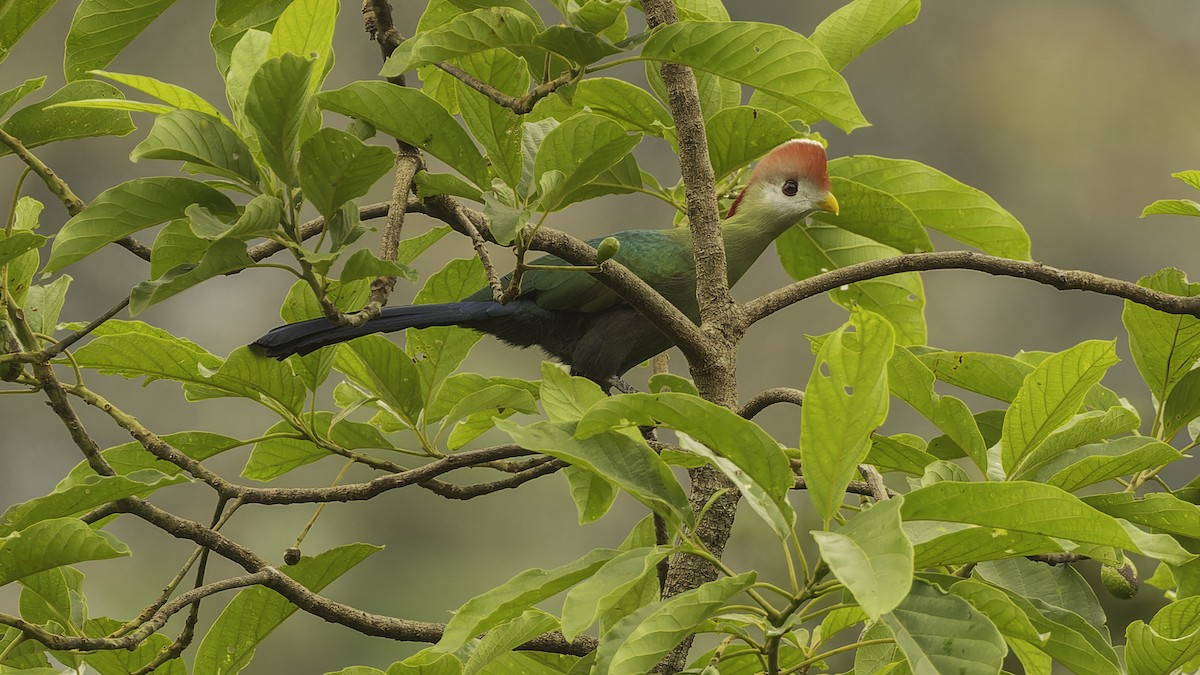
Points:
830	204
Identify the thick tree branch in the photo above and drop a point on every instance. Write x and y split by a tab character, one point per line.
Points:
774	301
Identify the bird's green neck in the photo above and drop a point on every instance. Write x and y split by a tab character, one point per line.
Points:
747	235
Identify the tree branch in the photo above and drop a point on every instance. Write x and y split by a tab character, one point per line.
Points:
774	301
769	398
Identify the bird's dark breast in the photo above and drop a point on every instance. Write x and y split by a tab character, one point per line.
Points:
597	345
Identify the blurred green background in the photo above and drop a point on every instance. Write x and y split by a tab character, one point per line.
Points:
1071	113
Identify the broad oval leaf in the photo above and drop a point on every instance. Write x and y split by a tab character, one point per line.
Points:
629	105
942	633
127	208
1050	396
636	643
199	138
223	257
872	556
36	125
1183	404
742	134
1164	346
279	106
467	33
596	595
413	117
845	401
18	16
580	149
854	27
940	202
82	496
53	543
770	58
305	28
336	167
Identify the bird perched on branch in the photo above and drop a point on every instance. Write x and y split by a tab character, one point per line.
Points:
574	317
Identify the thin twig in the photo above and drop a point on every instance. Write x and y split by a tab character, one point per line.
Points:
769	398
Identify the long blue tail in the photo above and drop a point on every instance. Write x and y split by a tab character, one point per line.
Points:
308	336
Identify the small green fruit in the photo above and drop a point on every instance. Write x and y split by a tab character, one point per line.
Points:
1121	582
607	249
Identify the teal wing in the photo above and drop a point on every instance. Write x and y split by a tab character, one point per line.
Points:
662	258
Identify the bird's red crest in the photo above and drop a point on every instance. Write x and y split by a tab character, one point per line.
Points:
798	157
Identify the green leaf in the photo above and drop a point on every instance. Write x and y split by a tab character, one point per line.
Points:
941	633
305	28
1050	396
171	94
267	381
912	382
1171	207
364	264
53	595
494	398
514	596
580	149
102	28
592	494
952	544
35	125
53	543
278	105
44	303
741	450
1164	346
128	660
1183	404
413	117
199	138
899	453
255	612
812	248
225	36
274	457
16	17
1027	507
1099	462
223	257
566	398
20	243
876	215
385	370
174	245
231	11
742	134
770	58
577	45
940	202
846	400
1082	429
440	350
494	652
128	208
632	107
853	28
994	375
872	557
619	458
131	457
11	97
81	497
467	33
336	167
496	127
1001	609
591	598
1158	510
639	641
1168	642
429	184
134	349
1191	177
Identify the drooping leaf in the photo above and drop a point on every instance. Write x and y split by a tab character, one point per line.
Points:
911	381
128	208
223	257
846	400
496	127
413	117
640	640
516	595
1169	642
336	167
305	28
770	58
173	95
256	612
102	28
1050	396
940	202
1164	346
52	543
872	556
942	633
279	106
579	149
199	138
16	17
36	125
853	28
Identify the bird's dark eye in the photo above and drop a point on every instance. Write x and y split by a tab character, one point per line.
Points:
790	187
